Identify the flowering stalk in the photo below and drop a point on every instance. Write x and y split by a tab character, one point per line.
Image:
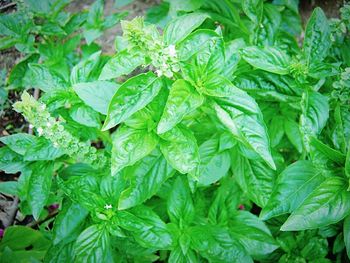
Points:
39	117
147	40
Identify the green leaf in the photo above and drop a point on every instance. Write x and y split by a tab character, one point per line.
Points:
254	10
214	163
346	230
129	146
85	115
180	149
19	142
68	222
146	177
327	204
39	186
17	240
92	245
291	128
132	96
182	26
183	99
249	129
254	177
83	70
45	79
293	186
327	151
268	58
252	233
317	39
42	150
180	205
146	227
194	42
10	162
121	64
96	94
347	164
315	113
217	245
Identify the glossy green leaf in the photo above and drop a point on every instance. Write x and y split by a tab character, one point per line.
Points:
179	204
92	245
96	94
292	187
214	163
39	186
249	129
45	79
85	115
146	227
254	177
83	70
252	233
131	97
182	26
18	142
327	204
68	222
121	64
217	245
268	58
317	39
253	9
131	145
180	149
183	99
146	177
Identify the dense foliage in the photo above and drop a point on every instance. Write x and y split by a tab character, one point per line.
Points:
232	139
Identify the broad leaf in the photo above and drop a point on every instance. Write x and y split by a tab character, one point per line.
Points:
129	146
122	63
182	26
317	37
96	94
252	233
146	177
131	97
92	245
327	204
180	205
268	58
183	98
180	149
292	187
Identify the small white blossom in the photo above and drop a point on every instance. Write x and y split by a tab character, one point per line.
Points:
108	206
172	51
40	131
43	106
48	124
31	126
159	73
55	144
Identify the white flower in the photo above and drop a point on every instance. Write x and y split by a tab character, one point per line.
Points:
48	124
172	51
43	106
108	206
55	144
31	126
159	73
40	131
